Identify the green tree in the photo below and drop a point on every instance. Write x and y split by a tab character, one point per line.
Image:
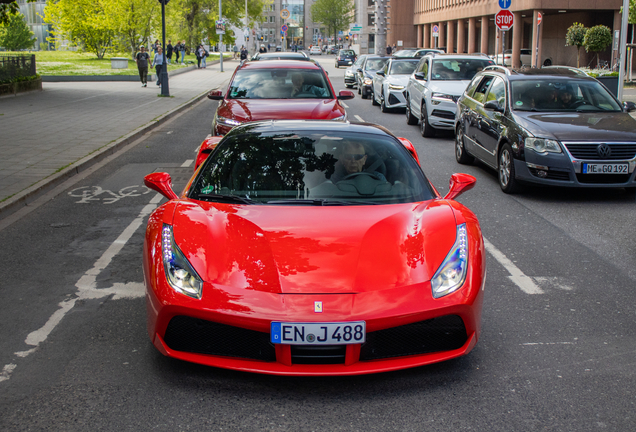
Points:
134	21
597	39
335	15
575	37
86	23
16	35
8	8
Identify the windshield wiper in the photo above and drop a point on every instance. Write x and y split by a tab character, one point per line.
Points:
228	198
319	202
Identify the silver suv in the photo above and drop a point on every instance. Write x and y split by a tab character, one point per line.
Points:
436	85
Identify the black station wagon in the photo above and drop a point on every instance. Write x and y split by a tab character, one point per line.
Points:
553	126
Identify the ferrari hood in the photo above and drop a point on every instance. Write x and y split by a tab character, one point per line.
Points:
311	250
246	110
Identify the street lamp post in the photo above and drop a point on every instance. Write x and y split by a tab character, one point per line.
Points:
165	88
221	38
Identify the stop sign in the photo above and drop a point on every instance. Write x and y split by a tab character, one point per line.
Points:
504	20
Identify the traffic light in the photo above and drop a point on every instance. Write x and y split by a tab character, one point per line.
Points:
346	37
261	38
247	38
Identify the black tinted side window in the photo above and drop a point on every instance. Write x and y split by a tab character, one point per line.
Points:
480	91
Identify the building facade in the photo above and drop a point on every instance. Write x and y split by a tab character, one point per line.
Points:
467	26
33	13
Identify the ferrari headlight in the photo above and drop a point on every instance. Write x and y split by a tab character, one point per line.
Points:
452	273
396	87
541	145
180	274
226	121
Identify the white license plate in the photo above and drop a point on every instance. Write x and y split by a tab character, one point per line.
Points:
605	168
339	333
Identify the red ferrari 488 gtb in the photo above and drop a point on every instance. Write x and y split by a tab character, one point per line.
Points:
312	248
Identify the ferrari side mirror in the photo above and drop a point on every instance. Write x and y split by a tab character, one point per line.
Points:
162	183
460	183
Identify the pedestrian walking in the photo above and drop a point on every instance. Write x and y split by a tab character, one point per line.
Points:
234	52
201	54
157	63
155	46
182	48
142	58
388	50
169	51
244	52
176	53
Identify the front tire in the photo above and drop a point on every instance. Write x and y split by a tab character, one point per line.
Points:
383	107
373	101
506	170
410	118
426	129
460	151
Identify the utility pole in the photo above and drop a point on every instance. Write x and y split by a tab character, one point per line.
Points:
221	38
381	23
165	88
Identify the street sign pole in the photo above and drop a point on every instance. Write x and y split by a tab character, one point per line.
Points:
536	54
220	39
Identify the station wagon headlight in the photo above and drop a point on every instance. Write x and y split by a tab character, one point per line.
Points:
396	87
368	81
438	98
541	145
451	275
180	274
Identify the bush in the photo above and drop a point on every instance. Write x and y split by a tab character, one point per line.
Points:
575	36
597	39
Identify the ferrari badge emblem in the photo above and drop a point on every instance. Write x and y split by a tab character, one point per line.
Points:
318	307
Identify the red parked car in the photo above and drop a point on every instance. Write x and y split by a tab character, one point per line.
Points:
312	248
274	90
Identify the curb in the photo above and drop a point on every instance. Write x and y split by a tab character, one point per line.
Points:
30	194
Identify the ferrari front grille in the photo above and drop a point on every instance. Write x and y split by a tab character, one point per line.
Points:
315	354
438	334
195	335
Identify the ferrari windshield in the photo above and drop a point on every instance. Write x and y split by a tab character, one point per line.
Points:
279	84
403	67
457	69
563	95
310	168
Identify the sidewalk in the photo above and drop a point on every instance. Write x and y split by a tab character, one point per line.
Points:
51	135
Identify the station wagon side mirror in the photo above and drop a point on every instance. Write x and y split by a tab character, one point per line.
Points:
459	183
629	106
360	70
345	94
419	76
494	106
215	95
162	183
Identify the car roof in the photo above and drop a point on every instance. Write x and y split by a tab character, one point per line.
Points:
443	55
281	64
545	72
299	126
281	56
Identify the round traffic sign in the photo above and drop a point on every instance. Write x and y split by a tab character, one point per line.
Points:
539	18
504	4
284	14
284	28
504	20
435	28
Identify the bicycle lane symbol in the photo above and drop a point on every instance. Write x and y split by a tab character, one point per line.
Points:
88	194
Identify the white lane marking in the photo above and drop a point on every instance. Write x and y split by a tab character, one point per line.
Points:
548	343
524	282
187	163
344	104
87	287
359	118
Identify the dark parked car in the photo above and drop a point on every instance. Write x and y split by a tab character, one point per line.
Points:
350	76
366	72
345	57
554	127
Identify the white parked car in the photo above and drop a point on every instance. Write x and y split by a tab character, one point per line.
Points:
525	57
436	85
315	50
390	82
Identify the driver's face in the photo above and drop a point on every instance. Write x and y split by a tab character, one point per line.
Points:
354	159
566	97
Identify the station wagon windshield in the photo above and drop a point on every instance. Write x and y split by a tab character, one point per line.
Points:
562	95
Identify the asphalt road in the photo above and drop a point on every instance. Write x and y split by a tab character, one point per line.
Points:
556	351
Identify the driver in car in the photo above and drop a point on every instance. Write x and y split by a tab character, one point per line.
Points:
300	88
352	161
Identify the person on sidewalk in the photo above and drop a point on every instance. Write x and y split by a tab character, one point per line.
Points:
201	55
262	49
388	50
142	58
244	52
234	52
169	51
182	48
176	53
157	63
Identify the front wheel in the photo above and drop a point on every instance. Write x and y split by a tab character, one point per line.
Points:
460	151
426	129
373	101
410	118
383	107
506	170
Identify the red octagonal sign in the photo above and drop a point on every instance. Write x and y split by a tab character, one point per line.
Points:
504	20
